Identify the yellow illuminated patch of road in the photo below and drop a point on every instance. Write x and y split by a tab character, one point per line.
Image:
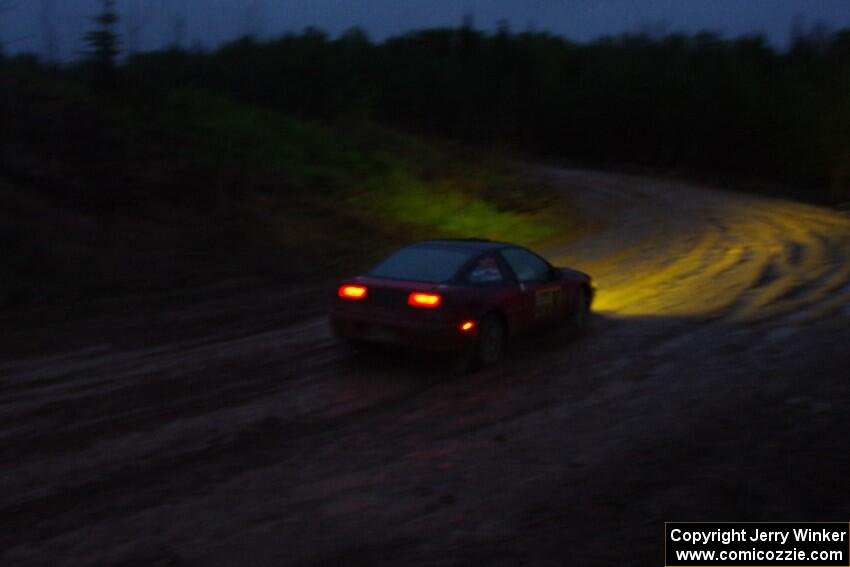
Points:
671	250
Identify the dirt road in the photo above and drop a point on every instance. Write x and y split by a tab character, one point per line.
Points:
714	386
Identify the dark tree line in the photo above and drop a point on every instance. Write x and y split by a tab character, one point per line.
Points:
103	45
699	102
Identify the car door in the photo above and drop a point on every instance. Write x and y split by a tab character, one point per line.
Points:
542	294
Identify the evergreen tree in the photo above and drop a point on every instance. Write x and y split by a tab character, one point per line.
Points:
103	45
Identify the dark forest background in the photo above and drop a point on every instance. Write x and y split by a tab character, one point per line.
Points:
698	103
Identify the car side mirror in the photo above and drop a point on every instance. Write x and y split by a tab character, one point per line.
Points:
554	274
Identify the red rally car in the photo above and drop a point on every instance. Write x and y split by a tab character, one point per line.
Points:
459	295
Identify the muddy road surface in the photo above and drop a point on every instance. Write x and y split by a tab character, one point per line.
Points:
714	385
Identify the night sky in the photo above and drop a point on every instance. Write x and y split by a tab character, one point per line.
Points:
149	24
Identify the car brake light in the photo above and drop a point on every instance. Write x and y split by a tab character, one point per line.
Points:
355	292
426	300
467	326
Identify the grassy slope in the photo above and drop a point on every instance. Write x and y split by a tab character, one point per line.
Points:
106	196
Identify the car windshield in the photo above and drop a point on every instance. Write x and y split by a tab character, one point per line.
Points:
431	264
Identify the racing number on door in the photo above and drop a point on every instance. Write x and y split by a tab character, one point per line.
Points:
546	302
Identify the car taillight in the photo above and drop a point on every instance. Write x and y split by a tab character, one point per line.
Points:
355	292
426	300
467	326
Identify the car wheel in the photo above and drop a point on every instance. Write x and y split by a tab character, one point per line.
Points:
581	315
492	336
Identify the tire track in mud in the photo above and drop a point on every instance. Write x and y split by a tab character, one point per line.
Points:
752	259
255	442
140	391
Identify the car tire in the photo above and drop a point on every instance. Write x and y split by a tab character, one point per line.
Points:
492	337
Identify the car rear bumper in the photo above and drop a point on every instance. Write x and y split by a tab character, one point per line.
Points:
436	336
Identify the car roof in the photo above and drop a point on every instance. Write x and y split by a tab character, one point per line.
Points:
471	244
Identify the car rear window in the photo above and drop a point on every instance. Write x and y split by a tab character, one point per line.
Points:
423	264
